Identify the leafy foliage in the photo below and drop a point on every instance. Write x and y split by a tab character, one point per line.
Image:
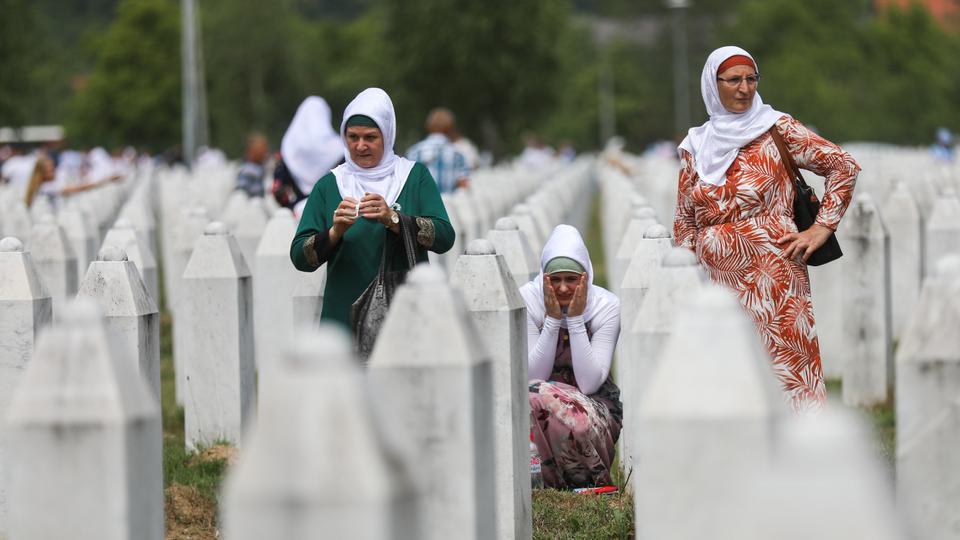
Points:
133	94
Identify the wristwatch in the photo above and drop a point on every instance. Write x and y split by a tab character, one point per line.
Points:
394	219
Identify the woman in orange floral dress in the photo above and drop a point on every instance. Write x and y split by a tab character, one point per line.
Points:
735	210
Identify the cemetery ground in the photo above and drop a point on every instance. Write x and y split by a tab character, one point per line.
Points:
192	479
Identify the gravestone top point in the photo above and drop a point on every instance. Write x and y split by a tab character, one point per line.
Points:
506	224
112	253
481	246
678	257
216	228
656	231
10	245
425	274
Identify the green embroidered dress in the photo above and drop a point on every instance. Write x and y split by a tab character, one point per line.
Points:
353	262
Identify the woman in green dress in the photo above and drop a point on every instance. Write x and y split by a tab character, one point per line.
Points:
353	208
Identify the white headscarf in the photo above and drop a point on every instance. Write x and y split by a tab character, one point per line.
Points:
714	145
389	176
565	241
310	147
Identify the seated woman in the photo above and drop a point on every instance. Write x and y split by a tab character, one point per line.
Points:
572	330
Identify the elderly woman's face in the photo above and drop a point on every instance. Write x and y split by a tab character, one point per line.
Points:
365	145
737	98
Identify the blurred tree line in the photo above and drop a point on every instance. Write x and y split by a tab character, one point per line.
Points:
109	69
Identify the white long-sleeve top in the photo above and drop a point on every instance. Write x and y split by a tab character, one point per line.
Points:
591	357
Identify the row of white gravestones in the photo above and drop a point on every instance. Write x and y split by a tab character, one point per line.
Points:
84	449
928	408
55	261
442	406
717	458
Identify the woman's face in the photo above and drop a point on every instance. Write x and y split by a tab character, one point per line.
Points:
365	145
49	171
739	98
564	284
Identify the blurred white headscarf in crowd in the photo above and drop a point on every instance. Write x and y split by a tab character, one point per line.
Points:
18	169
715	144
389	176
310	147
565	241
101	166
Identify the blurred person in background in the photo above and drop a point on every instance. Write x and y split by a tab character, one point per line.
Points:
252	171
466	147
536	154
39	181
943	150
447	165
360	204
572	331
735	211
310	148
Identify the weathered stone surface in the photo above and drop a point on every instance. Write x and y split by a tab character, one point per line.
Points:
902	218
131	317
315	423
868	368
928	408
531	229
512	244
217	313
85	451
193	222
273	295
642	218
249	229
708	418
126	237
54	260
25	308
433	378
499	315
943	229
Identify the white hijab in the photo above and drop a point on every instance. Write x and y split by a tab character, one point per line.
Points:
565	241
310	147
389	176
715	144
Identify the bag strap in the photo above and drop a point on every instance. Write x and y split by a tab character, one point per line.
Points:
406	236
788	163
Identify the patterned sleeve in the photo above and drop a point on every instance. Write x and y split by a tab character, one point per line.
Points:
684	222
814	153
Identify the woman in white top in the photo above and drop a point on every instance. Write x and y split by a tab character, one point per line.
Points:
572	331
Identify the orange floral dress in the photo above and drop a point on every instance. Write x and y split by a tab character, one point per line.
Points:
732	229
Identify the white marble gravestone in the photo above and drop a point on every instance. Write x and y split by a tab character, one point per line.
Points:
928	408
316	464
868	368
513	245
127	238
131	318
431	372
218	350
902	218
708	418
54	260
25	308
500	316
85	449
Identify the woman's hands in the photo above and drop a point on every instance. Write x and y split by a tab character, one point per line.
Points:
800	245
550	300
374	207
343	217
579	302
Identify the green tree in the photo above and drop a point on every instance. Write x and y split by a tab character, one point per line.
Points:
133	94
494	62
23	47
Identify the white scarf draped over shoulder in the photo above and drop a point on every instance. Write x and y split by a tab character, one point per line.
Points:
388	177
715	144
310	147
565	241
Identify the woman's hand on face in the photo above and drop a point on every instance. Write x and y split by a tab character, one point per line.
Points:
372	206
343	217
579	302
550	300
800	245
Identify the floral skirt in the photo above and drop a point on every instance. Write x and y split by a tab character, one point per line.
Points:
575	435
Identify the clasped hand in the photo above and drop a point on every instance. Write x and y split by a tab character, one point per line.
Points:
800	245
371	206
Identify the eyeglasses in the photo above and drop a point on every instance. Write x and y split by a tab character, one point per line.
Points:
734	82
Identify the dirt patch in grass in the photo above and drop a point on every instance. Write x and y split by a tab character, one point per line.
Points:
189	515
217	452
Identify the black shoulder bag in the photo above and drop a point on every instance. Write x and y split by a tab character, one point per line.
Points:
369	311
805	206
